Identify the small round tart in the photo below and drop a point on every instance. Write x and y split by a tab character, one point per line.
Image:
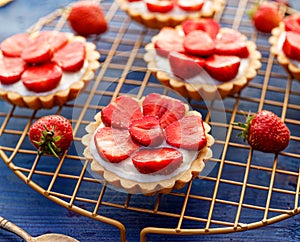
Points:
45	69
219	65
178	144
285	42
155	16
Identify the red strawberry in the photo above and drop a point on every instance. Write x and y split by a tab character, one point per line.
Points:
291	45
13	46
42	78
265	132
114	145
121	112
71	56
187	133
161	160
146	131
154	104
185	66
87	18
292	22
55	39
37	52
266	16
207	25
11	69
160	6
190	5
168	40
231	42
222	68
194	46
51	134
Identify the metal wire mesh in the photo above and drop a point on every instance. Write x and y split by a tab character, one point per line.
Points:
240	180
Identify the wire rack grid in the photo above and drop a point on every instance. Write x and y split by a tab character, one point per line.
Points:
238	182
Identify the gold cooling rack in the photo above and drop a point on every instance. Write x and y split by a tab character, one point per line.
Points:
237	181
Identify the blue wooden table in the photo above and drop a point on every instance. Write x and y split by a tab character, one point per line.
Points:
37	215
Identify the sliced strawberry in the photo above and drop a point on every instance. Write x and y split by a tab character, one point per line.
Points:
161	161
199	42
185	66
37	52
208	25
168	40
291	45
160	6
13	46
11	69
292	23
55	39
42	78
114	145
231	42
71	56
154	104
121	112
222	68
146	131
175	111
190	5
187	133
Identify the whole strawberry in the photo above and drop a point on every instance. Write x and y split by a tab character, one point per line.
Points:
87	18
265	132
51	134
266	16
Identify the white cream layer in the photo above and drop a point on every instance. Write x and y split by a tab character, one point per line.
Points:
68	78
126	170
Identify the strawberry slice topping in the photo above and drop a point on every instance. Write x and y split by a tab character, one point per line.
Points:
292	23
146	131
11	69
154	104
71	56
207	25
185	66
160	6
231	42
13	46
121	112
42	78
55	39
291	46
187	133
222	68
168	40
194	46
114	145
37	52
190	5
160	161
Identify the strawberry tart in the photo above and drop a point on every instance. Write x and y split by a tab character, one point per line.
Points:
160	13
46	68
149	145
285	44
201	60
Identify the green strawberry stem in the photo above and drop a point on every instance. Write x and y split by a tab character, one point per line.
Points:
47	143
245	126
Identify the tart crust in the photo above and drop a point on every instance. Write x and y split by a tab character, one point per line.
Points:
204	91
283	60
60	97
147	188
159	20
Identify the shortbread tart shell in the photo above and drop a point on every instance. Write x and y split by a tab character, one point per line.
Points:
276	50
204	91
60	97
158	20
147	188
